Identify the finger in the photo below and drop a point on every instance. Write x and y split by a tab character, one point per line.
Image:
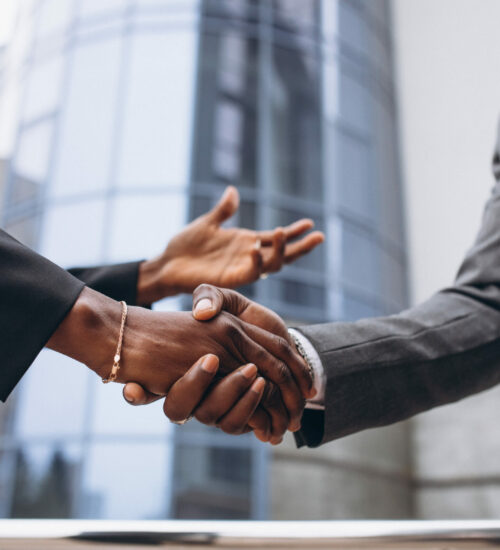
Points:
209	301
226	207
273	405
261	424
223	397
292	231
273	256
276	370
235	421
281	349
135	394
188	391
295	250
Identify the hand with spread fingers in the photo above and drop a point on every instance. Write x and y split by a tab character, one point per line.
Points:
206	252
269	420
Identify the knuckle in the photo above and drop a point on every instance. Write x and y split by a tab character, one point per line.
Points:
282	345
206	416
282	374
272	395
231	427
204	288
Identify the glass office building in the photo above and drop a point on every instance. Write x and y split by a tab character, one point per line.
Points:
127	118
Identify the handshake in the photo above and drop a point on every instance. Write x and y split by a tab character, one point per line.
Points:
249	376
230	363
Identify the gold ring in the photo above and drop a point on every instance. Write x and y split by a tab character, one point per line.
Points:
264	276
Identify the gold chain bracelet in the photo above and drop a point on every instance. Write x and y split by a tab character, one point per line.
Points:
116	360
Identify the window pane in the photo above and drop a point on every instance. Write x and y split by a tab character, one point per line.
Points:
52	398
212	483
355	183
112	415
42	88
46	481
225	146
68	238
126	481
95	7
157	132
360	260
32	158
352	26
83	159
54	15
142	225
25	230
354	106
355	308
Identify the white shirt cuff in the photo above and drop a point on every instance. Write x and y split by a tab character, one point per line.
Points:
318	401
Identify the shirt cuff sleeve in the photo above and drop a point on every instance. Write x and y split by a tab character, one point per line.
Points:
318	401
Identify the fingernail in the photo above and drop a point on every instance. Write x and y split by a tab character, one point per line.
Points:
210	364
259	385
130	400
203	305
250	371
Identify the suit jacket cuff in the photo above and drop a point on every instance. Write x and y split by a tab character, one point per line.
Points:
117	281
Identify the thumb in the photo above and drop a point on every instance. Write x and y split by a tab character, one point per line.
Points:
226	207
209	301
135	394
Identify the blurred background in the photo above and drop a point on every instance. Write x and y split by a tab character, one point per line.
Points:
121	120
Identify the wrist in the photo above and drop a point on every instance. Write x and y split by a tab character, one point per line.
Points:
153	281
90	331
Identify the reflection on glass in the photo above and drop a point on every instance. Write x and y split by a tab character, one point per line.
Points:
60	409
352	26
43	88
44	484
143	225
355	183
96	7
32	158
355	308
126	480
84	154
212	483
296	126
156	140
225	144
53	16
296	15
25	230
360	259
68	238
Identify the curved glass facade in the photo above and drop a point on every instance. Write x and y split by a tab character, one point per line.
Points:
131	118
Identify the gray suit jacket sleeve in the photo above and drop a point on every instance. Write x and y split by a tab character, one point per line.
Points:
381	371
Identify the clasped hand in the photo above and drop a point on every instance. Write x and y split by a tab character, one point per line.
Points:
224	388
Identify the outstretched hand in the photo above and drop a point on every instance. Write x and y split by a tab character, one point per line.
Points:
206	252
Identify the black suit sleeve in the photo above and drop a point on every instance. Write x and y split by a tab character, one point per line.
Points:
117	281
381	371
35	296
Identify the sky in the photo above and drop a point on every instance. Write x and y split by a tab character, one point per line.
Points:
7	11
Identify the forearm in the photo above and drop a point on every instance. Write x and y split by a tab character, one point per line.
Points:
89	332
380	371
